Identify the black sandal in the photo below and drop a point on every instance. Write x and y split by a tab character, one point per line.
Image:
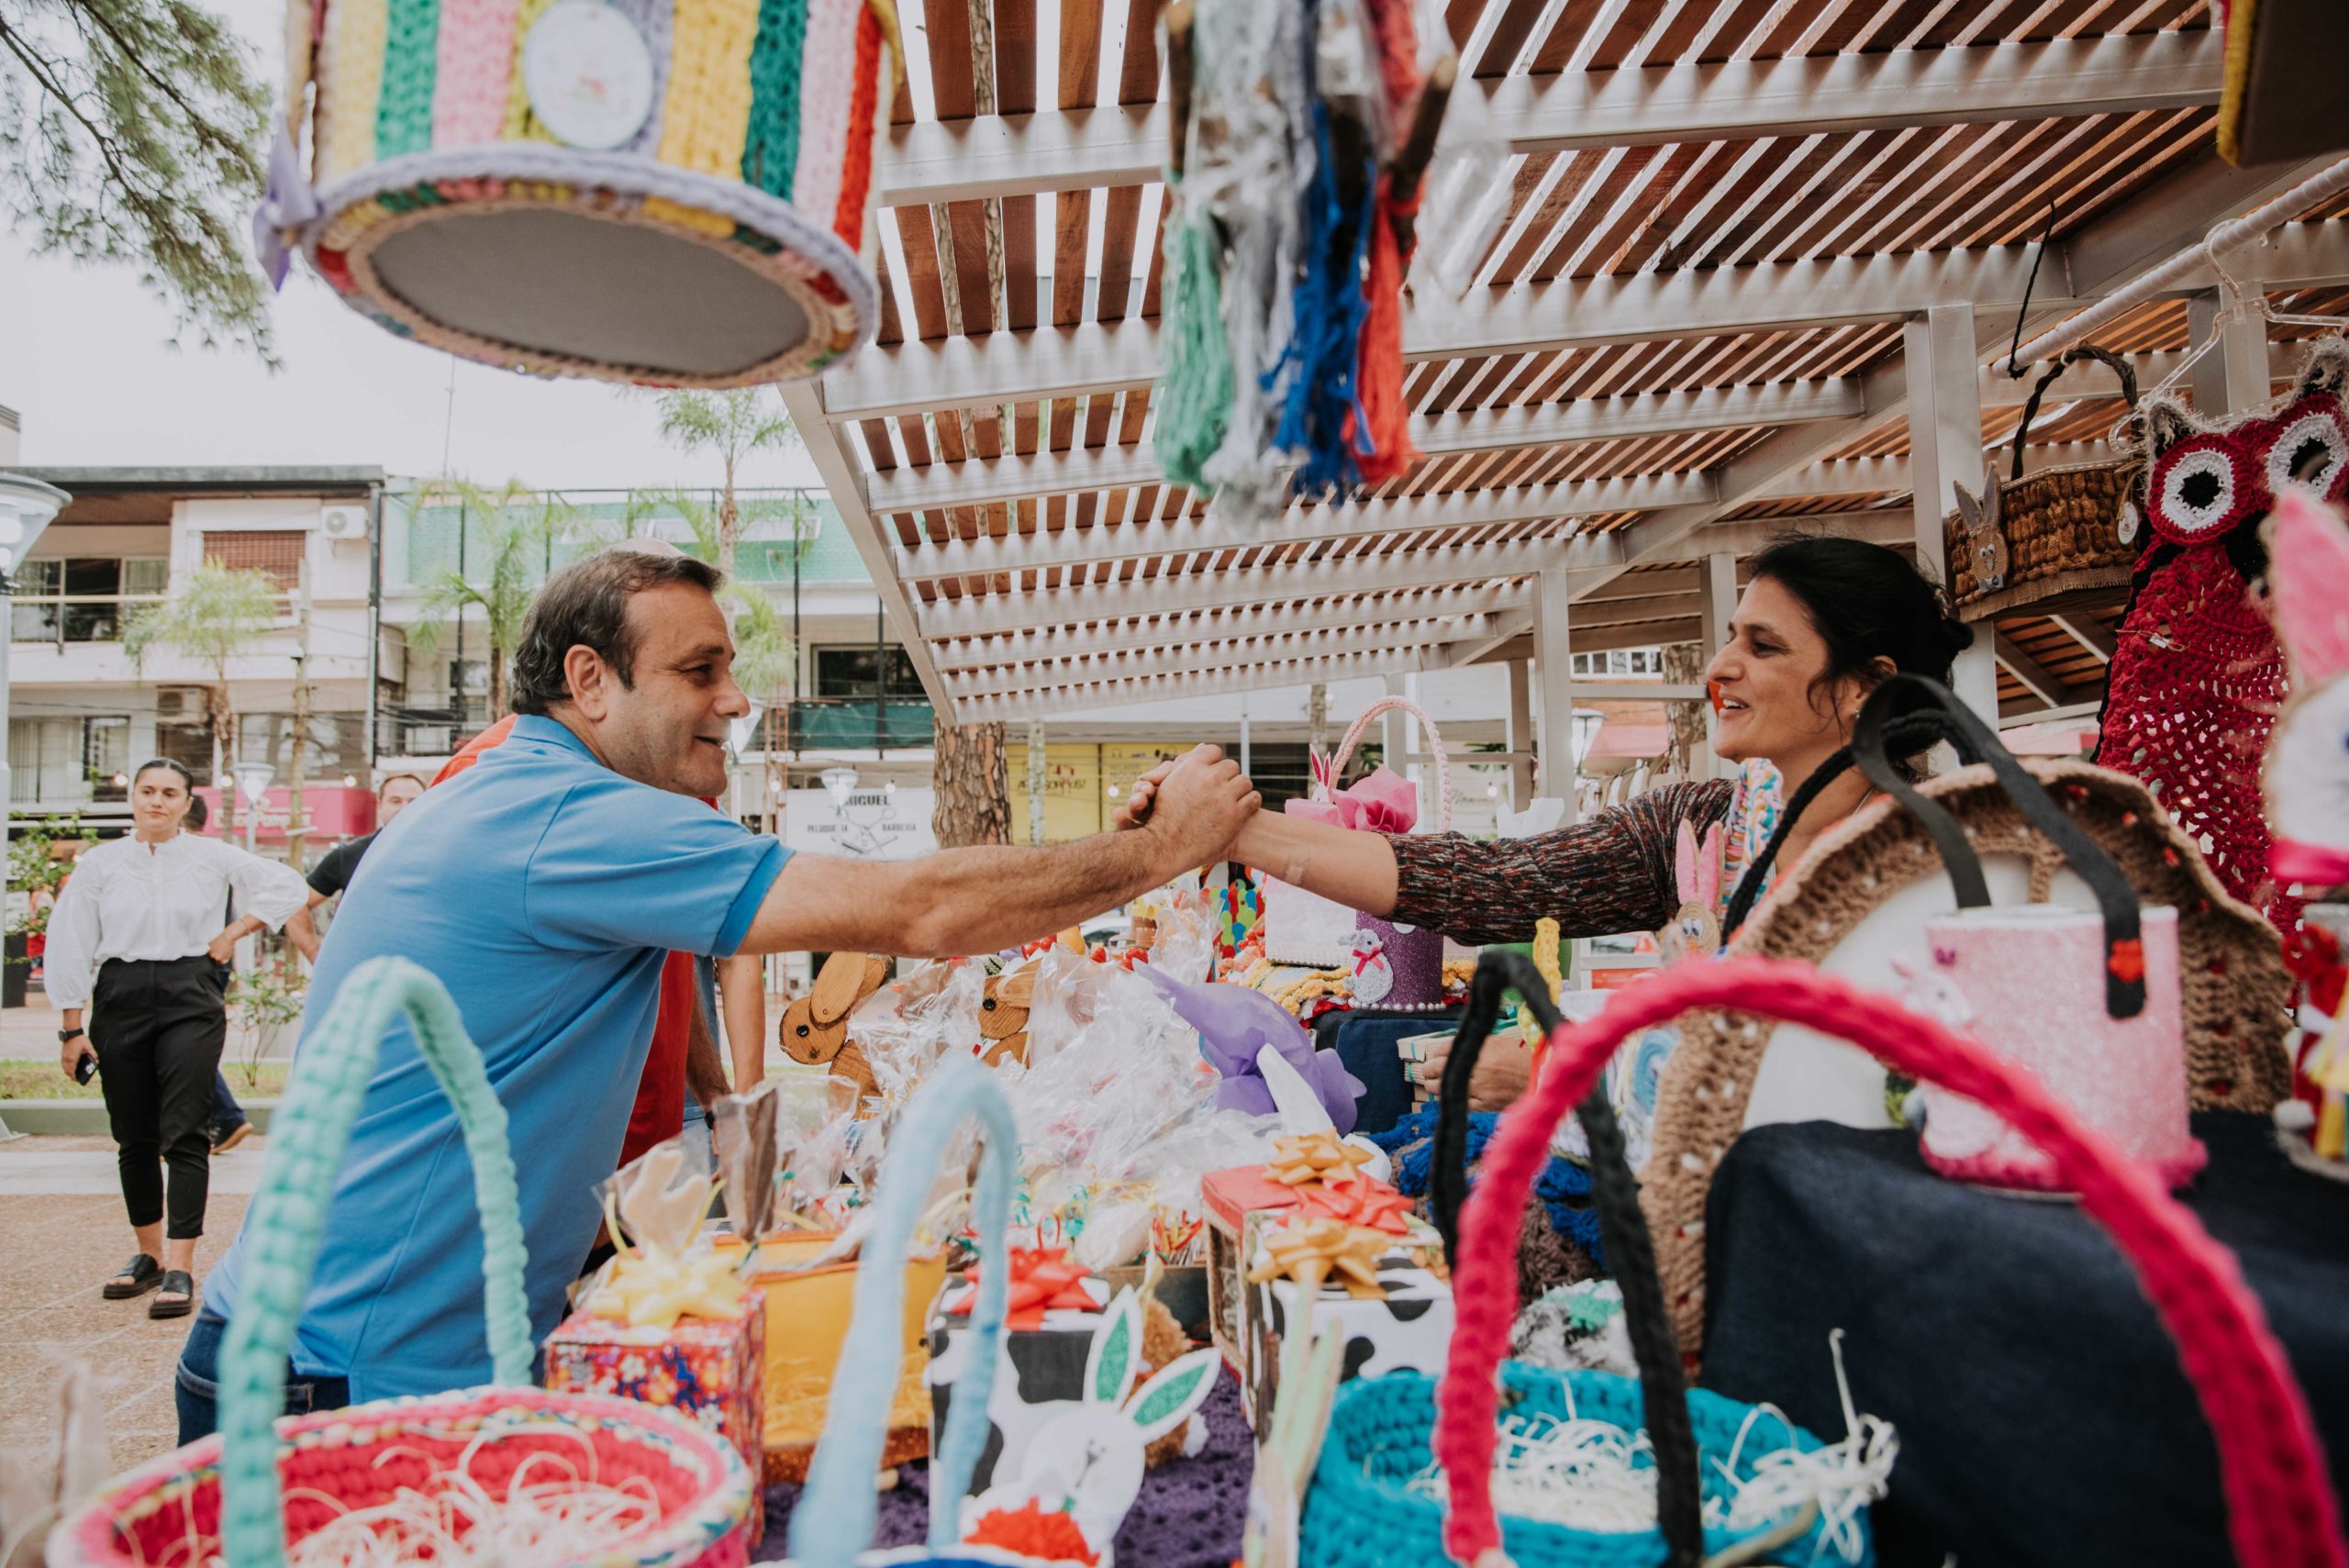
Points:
137	1277
179	1283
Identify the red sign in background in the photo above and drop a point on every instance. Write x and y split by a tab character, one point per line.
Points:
333	811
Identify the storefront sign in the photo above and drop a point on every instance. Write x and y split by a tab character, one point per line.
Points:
329	811
872	825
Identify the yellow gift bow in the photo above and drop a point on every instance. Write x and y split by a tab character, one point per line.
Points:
1302	1159
1312	1251
652	1285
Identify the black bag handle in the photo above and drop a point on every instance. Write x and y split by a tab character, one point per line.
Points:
1631	1250
2119	366
2116	896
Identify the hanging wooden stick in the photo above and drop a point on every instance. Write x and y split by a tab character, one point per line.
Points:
1179	19
1412	160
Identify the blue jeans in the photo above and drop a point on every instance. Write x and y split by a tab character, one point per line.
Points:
227	1113
196	1387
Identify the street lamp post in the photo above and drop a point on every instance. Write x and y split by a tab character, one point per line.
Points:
26	508
252	784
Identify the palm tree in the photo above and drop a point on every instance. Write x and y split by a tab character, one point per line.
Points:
518	525
733	424
216	614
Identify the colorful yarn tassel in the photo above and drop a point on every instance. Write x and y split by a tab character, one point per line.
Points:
1195	387
1320	406
1379	433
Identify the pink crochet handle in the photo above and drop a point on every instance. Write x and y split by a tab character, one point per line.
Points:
2281	1512
1352	738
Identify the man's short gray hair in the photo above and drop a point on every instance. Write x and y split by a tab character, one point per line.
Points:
586	605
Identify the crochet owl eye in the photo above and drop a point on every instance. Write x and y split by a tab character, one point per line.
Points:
2201	493
2310	452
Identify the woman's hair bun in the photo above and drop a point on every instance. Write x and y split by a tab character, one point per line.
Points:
1957	634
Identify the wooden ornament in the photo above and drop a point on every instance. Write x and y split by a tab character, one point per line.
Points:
806	1041
1010	1047
839	985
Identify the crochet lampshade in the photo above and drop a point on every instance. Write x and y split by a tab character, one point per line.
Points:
670	192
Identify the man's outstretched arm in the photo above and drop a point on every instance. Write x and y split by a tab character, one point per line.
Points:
981	899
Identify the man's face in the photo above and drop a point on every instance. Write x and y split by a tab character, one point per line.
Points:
669	729
396	794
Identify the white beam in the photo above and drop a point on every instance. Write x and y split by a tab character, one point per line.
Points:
1014	477
1005	155
2094	635
1036	642
917	376
1553	668
1216	682
1945	451
2034	676
1519	735
1176	658
826	443
2236	376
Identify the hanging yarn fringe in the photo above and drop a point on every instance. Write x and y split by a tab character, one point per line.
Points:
1381	439
1195	388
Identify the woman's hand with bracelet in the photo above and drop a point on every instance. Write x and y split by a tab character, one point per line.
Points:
70	1051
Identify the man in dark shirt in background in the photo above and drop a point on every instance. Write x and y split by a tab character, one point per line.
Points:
338	865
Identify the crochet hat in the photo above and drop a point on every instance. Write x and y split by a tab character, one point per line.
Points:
671	192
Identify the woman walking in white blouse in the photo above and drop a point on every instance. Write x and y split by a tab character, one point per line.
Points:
137	938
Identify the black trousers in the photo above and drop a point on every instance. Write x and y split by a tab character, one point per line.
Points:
159	1027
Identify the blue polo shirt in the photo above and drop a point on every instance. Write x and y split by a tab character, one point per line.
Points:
544	890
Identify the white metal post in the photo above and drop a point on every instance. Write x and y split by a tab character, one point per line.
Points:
1553	659
2233	378
1718	583
1945	451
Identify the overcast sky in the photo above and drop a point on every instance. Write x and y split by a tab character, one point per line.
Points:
86	361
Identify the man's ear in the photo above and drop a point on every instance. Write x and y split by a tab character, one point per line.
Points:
588	679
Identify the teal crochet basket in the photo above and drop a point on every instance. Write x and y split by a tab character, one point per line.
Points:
1360	1511
832	1527
244	1493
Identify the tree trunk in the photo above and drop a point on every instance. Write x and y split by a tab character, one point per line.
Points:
729	526
224	724
974	784
1683	662
497	684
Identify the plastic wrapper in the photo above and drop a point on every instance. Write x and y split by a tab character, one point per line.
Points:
905	1028
1186	926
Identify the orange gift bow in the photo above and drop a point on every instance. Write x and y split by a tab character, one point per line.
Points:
1360	1201
1305	1158
1312	1251
1042	1279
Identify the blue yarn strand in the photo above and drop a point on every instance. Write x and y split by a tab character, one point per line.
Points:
1563	1188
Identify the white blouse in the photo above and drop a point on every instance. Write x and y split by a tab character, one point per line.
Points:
131	900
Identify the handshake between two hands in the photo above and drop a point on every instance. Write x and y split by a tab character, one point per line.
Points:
1197	803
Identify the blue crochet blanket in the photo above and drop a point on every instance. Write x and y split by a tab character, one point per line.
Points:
1564	1187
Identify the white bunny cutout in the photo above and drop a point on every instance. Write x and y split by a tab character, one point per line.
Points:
1090	1460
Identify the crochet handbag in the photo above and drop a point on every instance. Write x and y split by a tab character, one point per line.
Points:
631	191
833	1524
1389	965
2056	532
1359	1512
2280	1503
2197	676
1861	897
248	1490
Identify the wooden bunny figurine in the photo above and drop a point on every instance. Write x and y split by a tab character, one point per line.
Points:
1696	928
815	1028
1986	532
1003	1014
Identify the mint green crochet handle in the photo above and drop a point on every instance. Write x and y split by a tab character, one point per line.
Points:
307	1138
835	1515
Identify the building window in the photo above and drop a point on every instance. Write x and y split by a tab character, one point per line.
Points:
277	552
83	599
1620	662
851	672
68	762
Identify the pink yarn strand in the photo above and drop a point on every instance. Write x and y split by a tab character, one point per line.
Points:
2281	1509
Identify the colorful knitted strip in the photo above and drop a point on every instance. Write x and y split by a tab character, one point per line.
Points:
2280	1505
403	112
770	156
864	131
477	51
824	99
705	115
350	78
521	125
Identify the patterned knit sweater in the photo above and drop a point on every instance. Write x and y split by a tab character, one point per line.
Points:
1611	873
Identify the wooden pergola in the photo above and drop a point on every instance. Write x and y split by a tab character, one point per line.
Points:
1760	261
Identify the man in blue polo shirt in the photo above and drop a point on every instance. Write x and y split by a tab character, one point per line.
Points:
544	887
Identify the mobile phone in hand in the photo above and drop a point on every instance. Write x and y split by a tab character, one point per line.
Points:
85	1069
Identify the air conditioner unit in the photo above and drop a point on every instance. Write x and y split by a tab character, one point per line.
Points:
181	705
343	522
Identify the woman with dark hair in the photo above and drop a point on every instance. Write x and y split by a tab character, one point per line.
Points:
137	938
1822	622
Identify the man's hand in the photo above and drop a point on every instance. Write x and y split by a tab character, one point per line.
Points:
1199	806
223	948
1135	810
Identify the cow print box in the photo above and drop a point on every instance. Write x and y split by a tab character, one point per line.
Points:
1407	1330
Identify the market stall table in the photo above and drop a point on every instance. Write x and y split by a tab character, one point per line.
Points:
2044	1418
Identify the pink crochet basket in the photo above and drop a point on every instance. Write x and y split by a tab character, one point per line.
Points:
2281	1509
247	1492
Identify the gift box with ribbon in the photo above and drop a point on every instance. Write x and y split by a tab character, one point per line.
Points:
1055	1310
669	1322
1382	1293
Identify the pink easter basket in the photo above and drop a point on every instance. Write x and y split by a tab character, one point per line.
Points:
259	1485
2281	1511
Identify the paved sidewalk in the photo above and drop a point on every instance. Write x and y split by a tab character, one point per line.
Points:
61	1233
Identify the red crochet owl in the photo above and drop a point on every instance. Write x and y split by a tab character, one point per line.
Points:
2198	677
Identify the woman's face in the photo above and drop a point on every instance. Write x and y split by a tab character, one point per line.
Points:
157	800
1762	686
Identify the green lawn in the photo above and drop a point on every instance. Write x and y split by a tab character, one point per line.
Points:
22	1080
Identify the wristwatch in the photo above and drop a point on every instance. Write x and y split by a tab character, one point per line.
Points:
65	1035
